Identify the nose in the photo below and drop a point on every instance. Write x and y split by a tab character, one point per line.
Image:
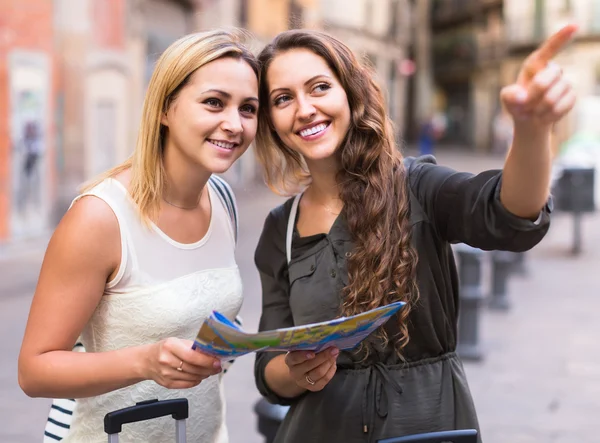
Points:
232	122
306	111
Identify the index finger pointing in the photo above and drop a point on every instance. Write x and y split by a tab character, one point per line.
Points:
553	45
539	59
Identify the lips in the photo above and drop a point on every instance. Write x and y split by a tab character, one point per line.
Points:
313	129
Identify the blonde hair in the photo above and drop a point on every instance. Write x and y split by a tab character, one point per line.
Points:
171	73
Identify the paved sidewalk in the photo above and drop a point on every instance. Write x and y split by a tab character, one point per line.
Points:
540	379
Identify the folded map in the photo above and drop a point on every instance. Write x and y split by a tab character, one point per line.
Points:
222	338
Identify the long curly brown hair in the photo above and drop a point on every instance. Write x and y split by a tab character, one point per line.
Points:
372	178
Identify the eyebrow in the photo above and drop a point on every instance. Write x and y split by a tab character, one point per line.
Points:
310	80
228	95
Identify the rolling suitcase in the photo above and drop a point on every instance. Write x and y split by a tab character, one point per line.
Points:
147	410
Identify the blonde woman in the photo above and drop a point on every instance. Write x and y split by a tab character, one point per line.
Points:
146	252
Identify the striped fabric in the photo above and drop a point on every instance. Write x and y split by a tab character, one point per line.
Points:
61	414
61	411
59	420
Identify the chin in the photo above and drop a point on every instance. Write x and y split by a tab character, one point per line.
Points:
220	168
321	154
214	166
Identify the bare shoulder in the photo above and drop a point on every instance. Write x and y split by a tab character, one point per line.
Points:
93	215
89	233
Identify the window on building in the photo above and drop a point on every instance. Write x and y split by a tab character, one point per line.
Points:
368	14
105	121
243	13
538	20
166	21
394	12
595	16
156	43
295	15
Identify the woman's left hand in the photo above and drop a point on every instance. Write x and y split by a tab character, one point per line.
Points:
541	95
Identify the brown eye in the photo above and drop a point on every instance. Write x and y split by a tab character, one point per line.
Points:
213	102
248	109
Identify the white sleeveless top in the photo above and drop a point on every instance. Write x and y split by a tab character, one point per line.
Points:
162	289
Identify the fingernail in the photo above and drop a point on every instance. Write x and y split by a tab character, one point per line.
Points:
335	351
216	364
309	355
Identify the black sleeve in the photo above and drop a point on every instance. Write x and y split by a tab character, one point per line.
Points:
466	208
271	262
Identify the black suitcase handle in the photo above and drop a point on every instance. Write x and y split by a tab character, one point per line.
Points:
145	410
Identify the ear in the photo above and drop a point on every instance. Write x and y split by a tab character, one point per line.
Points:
164	120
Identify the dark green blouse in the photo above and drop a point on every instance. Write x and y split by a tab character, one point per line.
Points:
385	396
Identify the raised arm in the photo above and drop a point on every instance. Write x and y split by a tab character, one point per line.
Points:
539	98
466	208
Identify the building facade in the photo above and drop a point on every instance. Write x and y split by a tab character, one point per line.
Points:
71	91
467	50
28	89
72	86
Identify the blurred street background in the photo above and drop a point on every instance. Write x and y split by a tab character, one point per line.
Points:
72	79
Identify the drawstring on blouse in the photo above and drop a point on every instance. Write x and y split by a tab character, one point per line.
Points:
378	390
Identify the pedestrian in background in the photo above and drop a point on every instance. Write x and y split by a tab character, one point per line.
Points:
432	129
146	253
367	227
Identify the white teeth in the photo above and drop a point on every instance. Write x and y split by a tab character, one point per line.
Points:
223	145
313	130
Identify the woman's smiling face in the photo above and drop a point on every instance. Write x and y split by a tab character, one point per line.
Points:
213	119
308	106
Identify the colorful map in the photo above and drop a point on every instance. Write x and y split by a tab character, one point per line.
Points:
222	338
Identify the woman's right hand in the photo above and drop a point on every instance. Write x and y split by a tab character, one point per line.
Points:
312	371
173	364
